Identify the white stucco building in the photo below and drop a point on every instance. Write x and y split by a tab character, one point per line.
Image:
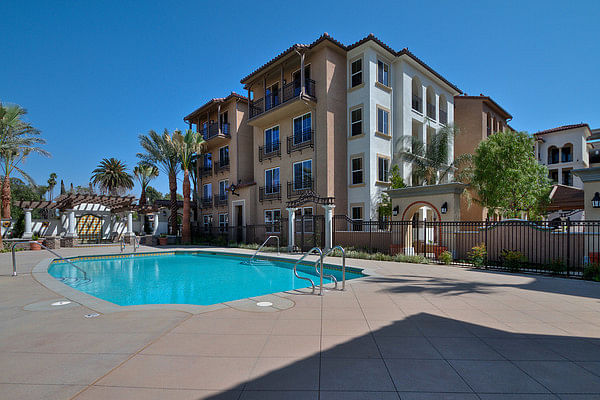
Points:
392	96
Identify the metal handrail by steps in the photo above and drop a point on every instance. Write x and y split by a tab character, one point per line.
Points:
135	242
320	274
333	278
343	264
263	245
14	258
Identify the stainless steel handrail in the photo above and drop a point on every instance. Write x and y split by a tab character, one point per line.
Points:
62	258
263	245
14	256
343	264
135	242
333	278
308	279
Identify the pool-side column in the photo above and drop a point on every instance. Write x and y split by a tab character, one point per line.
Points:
71	236
328	225
155	225
129	234
291	225
28	226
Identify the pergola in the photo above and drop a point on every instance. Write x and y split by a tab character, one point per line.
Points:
310	196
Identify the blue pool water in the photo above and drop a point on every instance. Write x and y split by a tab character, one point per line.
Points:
188	278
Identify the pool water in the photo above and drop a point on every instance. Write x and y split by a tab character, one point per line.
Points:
188	278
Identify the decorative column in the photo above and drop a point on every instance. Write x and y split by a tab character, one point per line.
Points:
63	223
155	224
28	228
129	234
302	77
291	227
106	226
71	230
328	225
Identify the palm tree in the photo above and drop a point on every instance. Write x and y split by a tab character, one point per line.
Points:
160	152
144	173
112	177
430	162
18	139
51	184
188	145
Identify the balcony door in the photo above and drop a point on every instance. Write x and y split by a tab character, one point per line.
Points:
224	156
272	96
224	123
207	191
303	175
207	161
296	79
272	140
223	185
272	181
302	128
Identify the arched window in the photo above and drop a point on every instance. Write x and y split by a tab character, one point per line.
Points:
566	153
553	156
417	95
430	102
443	110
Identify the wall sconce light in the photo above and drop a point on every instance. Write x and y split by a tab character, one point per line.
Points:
396	210
444	208
596	200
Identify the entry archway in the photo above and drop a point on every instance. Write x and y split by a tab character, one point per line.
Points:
310	196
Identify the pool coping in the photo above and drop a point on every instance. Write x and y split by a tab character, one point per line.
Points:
278	300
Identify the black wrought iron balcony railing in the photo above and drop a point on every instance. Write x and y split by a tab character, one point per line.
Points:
301	140
272	192
417	103
222	165
443	117
288	92
206	170
269	150
297	187
206	202
220	199
431	111
212	130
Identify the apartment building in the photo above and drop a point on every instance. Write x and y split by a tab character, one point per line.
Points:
477	117
391	97
227	159
297	112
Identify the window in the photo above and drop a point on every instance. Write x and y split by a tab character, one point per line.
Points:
224	123
357	170
302	175
383	118
553	155
356	73
302	128
223	222
357	218
272	140
272	96
383	168
272	221
207	222
224	155
296	80
272	181
566	154
207	161
553	175
567	177
207	190
383	73
304	219
356	122
223	185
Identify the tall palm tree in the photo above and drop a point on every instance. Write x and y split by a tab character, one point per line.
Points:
18	139
144	173
51	184
430	161
112	177
160	152
188	145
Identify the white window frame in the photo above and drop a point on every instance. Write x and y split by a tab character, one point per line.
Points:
302	166
302	133
352	74
386	171
273	147
360	121
357	227
223	224
224	187
385	72
271	224
362	170
386	121
279	183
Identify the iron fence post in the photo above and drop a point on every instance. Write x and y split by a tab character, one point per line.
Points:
568	246
485	227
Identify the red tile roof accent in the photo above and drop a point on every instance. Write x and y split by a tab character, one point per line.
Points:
562	128
490	100
371	37
214	101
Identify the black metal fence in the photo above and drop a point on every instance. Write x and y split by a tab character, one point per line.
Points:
563	247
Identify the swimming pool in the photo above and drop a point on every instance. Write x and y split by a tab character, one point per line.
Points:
184	278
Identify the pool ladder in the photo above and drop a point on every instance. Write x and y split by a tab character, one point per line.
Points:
263	245
136	243
14	258
320	270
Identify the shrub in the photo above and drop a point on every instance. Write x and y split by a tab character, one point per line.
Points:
557	267
477	255
445	257
592	272
513	260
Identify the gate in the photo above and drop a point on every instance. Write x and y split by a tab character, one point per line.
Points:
89	228
309	232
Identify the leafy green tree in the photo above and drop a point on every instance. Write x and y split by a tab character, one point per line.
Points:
188	145
507	177
22	191
144	173
160	151
51	184
112	177
396	182
152	195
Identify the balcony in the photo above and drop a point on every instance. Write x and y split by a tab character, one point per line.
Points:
211	133
417	103
296	188
206	170
206	202
431	111
272	192
220	199
443	117
269	151
290	91
222	166
301	140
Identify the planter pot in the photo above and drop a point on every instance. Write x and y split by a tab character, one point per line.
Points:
34	246
163	241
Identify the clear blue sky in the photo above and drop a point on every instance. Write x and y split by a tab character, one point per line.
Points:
94	75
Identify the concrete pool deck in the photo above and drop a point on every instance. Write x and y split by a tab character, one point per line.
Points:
407	332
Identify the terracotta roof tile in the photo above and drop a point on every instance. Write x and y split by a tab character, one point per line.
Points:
214	101
562	128
488	99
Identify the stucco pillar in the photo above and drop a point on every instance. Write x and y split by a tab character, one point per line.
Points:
328	225
71	230
155	225
28	226
129	223
291	227
106	228
63	223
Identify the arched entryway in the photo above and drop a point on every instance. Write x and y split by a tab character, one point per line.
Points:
419	234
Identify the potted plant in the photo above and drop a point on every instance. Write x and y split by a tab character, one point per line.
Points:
163	240
34	244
